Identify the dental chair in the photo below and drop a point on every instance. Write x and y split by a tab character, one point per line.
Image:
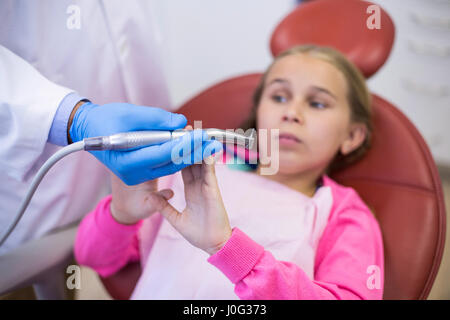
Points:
398	177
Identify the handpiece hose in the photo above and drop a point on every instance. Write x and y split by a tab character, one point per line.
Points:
77	146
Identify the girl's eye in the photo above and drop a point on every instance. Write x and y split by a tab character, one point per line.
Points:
278	98
318	105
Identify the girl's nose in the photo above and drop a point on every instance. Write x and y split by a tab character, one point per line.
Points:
292	115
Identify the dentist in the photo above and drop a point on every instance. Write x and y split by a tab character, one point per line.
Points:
62	64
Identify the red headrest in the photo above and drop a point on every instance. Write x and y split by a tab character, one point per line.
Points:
343	25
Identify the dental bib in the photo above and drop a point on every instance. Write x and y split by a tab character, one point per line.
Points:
284	221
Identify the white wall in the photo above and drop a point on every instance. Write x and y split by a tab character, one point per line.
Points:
416	78
210	40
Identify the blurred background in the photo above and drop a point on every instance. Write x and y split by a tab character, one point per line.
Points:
208	41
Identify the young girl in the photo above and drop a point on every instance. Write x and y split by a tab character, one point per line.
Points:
228	234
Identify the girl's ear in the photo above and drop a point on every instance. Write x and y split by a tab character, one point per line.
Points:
356	136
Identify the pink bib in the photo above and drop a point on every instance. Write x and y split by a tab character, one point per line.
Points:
286	222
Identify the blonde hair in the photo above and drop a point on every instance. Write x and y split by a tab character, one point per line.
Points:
358	97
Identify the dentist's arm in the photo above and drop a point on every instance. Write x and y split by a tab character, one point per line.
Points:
34	111
133	166
85	120
28	103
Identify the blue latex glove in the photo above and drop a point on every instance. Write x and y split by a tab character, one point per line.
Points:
139	165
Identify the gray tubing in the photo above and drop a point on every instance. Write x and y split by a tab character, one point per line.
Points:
71	148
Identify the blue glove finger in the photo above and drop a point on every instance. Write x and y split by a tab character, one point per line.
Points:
133	166
171	168
189	150
150	118
212	147
209	148
195	154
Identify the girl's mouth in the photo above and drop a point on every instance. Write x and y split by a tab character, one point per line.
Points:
288	139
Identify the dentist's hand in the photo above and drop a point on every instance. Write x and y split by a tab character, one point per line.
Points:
134	166
204	221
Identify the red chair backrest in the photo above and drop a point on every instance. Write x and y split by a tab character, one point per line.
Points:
341	24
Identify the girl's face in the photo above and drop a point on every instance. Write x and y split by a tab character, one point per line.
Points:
306	99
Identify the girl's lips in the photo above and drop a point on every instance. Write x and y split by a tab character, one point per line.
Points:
288	138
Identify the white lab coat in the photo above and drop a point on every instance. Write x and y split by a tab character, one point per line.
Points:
112	57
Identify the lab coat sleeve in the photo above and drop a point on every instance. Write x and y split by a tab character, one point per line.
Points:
28	103
58	130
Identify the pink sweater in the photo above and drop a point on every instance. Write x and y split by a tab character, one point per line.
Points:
348	263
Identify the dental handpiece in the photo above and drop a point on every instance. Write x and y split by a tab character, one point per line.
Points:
123	141
136	139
